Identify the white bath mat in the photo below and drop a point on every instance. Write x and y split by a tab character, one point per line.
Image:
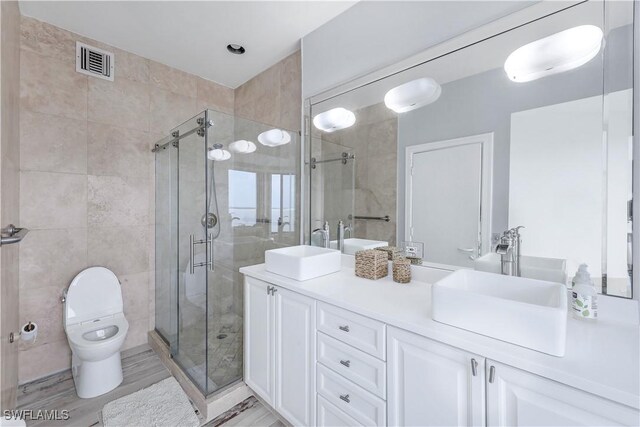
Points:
164	404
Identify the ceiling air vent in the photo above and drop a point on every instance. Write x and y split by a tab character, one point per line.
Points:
94	62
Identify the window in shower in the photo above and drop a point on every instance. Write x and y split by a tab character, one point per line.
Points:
243	198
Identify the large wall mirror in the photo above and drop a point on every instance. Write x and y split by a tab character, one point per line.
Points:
531	128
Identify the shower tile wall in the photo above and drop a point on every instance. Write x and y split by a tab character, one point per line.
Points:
374	140
86	176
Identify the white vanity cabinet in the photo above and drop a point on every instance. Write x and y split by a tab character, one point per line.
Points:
432	384
519	398
280	349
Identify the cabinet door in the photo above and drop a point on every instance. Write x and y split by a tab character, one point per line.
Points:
295	352
331	416
519	398
259	363
432	384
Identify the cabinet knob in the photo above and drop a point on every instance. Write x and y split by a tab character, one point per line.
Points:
345	397
344	328
346	363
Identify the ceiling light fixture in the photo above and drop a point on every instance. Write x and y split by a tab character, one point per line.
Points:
242	146
236	49
554	54
334	119
274	137
411	95
218	154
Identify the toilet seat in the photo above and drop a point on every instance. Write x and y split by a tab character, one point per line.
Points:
76	332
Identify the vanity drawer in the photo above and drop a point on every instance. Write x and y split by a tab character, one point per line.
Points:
358	331
356	402
330	415
361	368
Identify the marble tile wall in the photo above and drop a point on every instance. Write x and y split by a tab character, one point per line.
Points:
87	178
273	97
9	191
373	140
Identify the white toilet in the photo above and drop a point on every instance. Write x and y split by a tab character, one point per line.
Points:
96	328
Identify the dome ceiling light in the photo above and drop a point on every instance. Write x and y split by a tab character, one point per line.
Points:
334	119
411	95
274	138
242	147
218	154
554	54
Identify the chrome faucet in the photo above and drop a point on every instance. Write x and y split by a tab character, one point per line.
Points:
340	236
324	232
509	250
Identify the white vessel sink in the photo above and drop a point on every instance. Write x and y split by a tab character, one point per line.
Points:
302	262
351	246
548	269
527	312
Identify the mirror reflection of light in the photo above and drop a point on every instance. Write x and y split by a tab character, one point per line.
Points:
411	95
274	137
554	54
242	146
218	155
334	119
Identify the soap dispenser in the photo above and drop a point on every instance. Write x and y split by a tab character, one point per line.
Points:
584	295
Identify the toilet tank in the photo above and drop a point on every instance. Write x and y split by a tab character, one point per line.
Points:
92	294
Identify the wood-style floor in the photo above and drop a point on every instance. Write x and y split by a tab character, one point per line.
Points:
141	368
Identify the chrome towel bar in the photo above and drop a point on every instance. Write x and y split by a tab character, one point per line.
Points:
385	218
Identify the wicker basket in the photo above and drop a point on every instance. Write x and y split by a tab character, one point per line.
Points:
401	270
391	251
372	264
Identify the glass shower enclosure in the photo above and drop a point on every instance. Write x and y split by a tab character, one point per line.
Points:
211	218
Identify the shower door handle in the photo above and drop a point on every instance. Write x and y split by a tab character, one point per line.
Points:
192	268
210	248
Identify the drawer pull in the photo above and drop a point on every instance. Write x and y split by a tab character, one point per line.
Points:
346	363
474	367
345	397
492	374
344	328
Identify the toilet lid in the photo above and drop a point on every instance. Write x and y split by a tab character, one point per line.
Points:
93	293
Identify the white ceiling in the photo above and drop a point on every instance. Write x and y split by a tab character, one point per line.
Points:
193	35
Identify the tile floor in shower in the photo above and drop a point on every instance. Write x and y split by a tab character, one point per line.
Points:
224	350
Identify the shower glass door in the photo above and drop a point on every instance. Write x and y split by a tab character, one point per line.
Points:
194	256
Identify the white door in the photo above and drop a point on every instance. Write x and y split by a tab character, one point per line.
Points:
445	189
432	384
259	362
519	398
295	321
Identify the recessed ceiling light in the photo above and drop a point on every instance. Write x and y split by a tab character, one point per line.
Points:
554	54
236	49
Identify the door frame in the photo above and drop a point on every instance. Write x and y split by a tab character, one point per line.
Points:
486	186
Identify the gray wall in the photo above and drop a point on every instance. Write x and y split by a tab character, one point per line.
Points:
371	35
484	102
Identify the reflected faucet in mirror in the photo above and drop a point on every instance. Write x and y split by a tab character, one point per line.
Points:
509	250
324	233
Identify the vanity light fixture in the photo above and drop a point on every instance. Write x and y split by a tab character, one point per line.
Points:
334	119
554	54
242	146
411	95
218	154
274	137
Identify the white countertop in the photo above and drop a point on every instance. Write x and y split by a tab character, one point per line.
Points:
602	358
